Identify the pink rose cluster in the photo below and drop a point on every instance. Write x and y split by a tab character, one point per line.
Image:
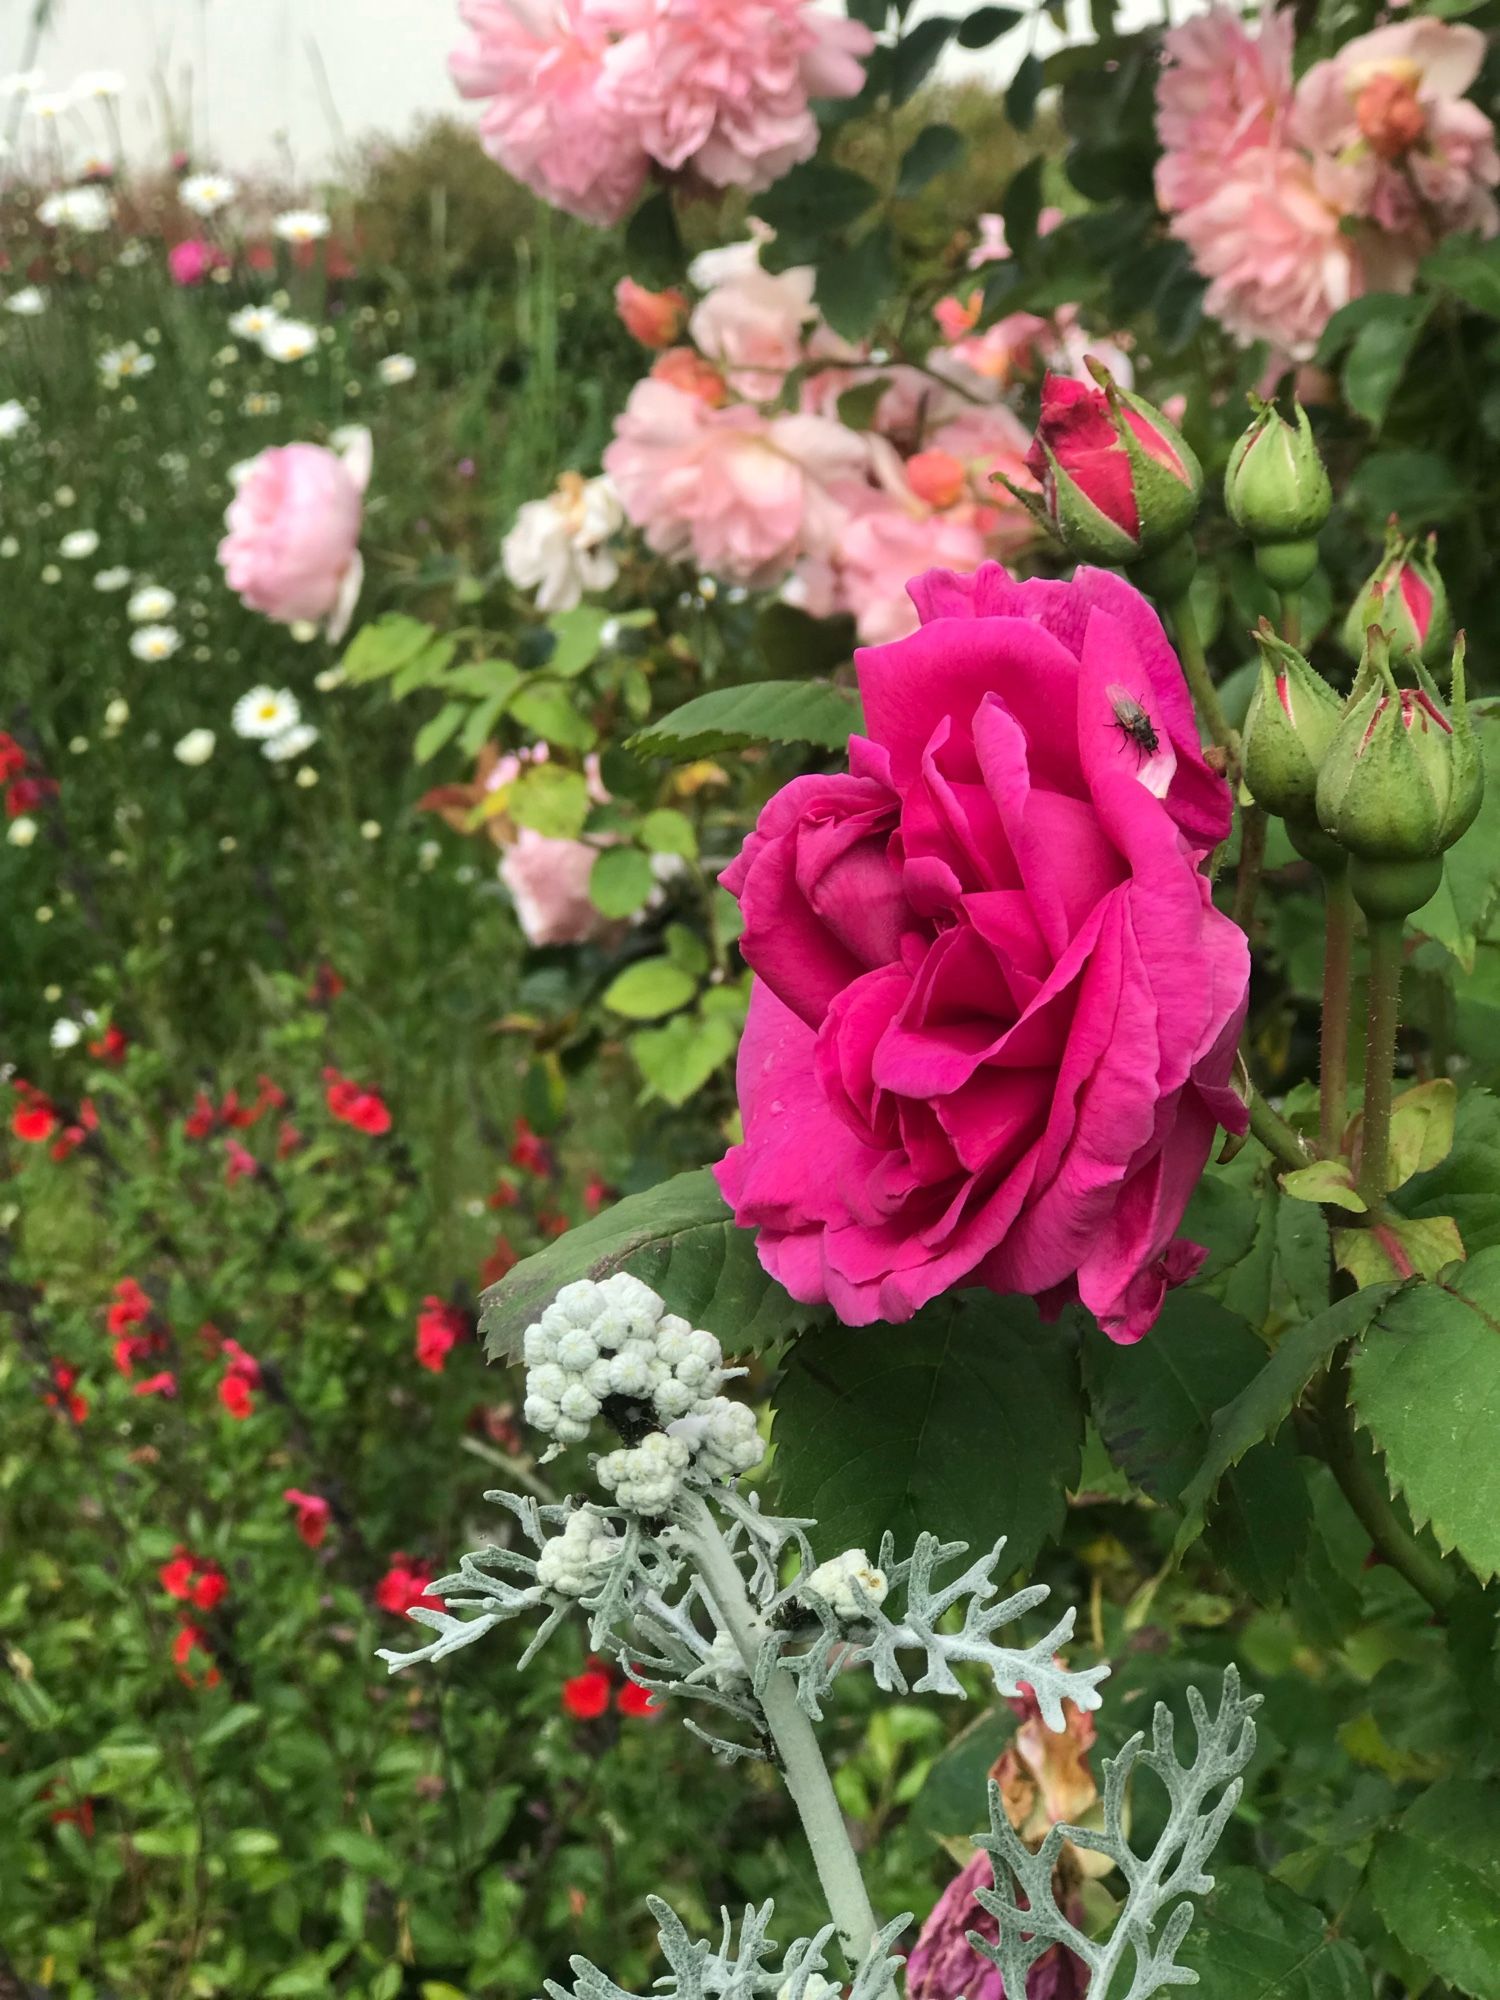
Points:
1294	199
733	452
995	1011
584	99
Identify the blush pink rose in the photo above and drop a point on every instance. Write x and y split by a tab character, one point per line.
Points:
292	550
995	1012
548	880
1223	93
751	322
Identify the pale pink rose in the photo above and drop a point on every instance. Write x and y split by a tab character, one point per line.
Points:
882	544
292	550
1013	346
1071	349
741	493
751	323
720	88
547	121
906	404
1223	93
549	884
992	247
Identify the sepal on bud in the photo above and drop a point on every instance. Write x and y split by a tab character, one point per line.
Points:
1406	597
1277	492
1293	717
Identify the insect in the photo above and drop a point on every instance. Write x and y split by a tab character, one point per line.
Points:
1132	720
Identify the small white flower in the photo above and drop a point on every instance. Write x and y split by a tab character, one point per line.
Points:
116	714
150	604
49	105
27	302
307	777
289	340
14	417
78	545
253	322
22	83
330	678
66	1034
289	743
132	254
396	368
9	547
206	194
196	747
87	209
155	642
98	83
21	831
264	712
369	829
112	579
301	225
557	547
124	363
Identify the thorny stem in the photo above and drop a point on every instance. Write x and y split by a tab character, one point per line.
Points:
1276	1135
1333	1069
1200	683
802	1762
1363	1487
1380	1057
1253	826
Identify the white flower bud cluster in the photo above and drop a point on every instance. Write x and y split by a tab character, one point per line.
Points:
838	1580
573	1563
646	1477
614	1338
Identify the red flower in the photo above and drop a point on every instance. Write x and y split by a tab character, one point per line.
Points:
35	1120
12	757
111	1045
202	1119
439	1327
501	1259
188	1641
68	1141
133	1347
312	1514
80	1815
326	985
405	1585
238	1164
288	1139
232	1112
530	1153
234	1394
24	795
163	1384
131	1307
176	1576
637	1701
586	1695
64	1396
269	1096
596	1193
241	1362
506	1195
349	1102
210	1587
193	1579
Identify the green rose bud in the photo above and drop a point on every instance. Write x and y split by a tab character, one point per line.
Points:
1406	597
1277	492
1402	778
1292	719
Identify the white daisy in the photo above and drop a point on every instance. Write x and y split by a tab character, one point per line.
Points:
98	83
14	417
290	340
49	105
87	209
66	1034
301	225
27	302
112	579
155	642
22	83
124	363
196	747
150	604
396	368
289	743
206	194
264	712
116	714
82	542
22	831
253	322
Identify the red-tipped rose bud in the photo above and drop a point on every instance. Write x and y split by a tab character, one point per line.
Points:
1118	481
1292	719
1405	596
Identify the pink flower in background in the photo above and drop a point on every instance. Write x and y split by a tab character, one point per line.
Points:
751	321
885	542
721	88
312	1514
191	261
685	369
742	494
292	550
548	880
546	121
1223	93
995	1014
653	318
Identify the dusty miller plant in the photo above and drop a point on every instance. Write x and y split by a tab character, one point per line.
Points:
704	1597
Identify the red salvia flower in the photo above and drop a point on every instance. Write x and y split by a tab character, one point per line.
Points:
529	1152
586	1695
63	1395
404	1585
162	1384
202	1119
191	1640
234	1394
239	1165
131	1307
353	1105
111	1045
504	1257
439	1328
637	1701
312	1514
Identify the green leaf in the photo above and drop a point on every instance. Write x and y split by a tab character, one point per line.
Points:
945	1806
1427	1388
551	800
1024	89
680	1239
620	881
648	989
854	283
1435	1879
758	712
1326	1181
1466	1185
1252	1939
1470	270
653	244
441	729
358	1850
1378	355
814	200
986	25
1022	207
857	407
386	645
242	1716
916	54
935	150
551	712
667	831
578	634
966	1421
678	1059
1423	487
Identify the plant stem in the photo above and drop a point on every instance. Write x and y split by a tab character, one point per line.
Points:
1361	1483
1338	951
1253	826
1195	666
1291	617
802	1762
1380	1057
1274	1133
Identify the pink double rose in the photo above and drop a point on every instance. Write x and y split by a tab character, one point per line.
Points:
996	1012
292	550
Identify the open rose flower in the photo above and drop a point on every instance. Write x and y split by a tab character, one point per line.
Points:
292	550
995	1012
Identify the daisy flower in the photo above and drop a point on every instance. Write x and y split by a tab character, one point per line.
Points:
76	546
301	225
155	642
87	209
196	747
112	579
289	743
49	105
22	83
290	340
150	604
120	364
206	194
66	1034
253	322
14	417
396	368
27	302
264	712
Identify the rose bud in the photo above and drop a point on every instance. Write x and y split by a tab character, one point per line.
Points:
1405	596
1292	719
1118	481
1401	780
653	318
1276	490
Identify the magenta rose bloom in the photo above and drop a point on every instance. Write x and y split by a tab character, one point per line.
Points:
996	1012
